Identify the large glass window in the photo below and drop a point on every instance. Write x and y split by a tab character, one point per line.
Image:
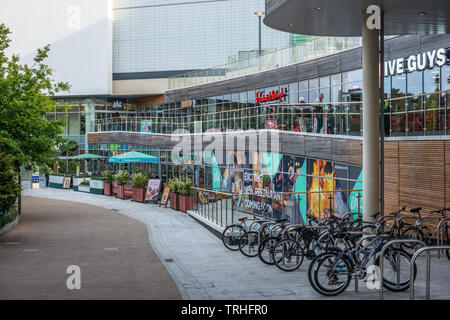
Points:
414	100
398	105
435	114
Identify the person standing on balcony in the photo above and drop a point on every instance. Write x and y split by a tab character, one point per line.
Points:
318	110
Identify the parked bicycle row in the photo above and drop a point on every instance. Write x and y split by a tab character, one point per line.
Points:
340	249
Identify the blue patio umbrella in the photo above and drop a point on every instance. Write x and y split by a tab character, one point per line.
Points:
133	157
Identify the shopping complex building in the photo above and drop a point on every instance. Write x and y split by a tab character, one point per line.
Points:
288	120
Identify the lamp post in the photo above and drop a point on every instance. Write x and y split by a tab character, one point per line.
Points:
259	14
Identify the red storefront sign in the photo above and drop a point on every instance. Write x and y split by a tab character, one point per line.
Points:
272	96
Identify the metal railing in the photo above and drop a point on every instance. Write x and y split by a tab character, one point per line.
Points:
220	207
304	51
336	118
428	264
383	251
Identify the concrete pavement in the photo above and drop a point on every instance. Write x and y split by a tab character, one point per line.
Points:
203	269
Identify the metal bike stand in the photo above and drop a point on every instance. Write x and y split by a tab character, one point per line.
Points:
428	278
383	250
440	234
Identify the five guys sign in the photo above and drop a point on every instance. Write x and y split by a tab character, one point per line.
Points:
272	96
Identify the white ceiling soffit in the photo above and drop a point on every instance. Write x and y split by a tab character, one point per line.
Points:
343	17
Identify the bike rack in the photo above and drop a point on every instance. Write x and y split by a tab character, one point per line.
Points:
383	250
428	279
440	235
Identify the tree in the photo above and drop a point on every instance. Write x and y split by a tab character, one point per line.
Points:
25	98
26	136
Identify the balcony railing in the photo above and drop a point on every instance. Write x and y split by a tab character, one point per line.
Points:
426	114
301	52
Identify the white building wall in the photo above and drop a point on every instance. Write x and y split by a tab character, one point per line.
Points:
80	35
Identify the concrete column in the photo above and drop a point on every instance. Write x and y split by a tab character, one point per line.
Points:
370	123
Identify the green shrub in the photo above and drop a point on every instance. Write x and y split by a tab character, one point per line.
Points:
121	177
9	183
97	178
140	180
108	176
185	186
84	183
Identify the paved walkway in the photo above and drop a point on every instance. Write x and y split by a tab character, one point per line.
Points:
112	251
203	269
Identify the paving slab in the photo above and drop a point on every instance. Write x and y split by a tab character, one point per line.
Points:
54	234
203	268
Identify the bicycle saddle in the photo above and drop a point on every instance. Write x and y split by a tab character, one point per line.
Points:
281	220
415	209
243	219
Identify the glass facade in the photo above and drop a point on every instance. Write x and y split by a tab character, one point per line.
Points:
145	31
417	104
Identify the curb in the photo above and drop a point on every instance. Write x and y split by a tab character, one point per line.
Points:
9	226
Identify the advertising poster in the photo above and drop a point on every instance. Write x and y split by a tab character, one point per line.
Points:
165	196
153	187
146	126
66	184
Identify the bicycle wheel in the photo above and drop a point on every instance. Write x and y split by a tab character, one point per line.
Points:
265	250
248	244
329	274
396	273
414	234
288	255
231	236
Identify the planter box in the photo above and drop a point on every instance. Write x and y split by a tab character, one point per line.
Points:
107	191
128	192
56	182
185	203
96	186
84	188
139	194
174	201
120	192
114	188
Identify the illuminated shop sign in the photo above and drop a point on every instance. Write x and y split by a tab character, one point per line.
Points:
416	62
273	95
117	105
186	103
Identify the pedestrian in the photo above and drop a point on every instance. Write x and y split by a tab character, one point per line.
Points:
318	110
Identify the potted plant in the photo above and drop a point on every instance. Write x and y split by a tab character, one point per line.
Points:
77	180
185	198
96	184
56	180
173	184
139	186
84	186
108	179
122	179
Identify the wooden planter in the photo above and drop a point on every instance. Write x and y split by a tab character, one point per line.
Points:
128	192
185	203
139	194
174	201
120	192
114	188
108	189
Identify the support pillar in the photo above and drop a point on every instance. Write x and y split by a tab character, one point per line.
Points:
370	123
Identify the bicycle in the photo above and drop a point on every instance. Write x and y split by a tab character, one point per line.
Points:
337	267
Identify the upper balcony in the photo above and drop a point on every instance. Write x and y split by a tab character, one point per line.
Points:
301	52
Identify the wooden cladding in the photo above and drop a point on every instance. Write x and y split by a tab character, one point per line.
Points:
417	174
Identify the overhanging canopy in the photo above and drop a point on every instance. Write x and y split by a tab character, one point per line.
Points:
133	157
344	17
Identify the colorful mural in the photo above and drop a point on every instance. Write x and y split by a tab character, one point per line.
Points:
275	185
